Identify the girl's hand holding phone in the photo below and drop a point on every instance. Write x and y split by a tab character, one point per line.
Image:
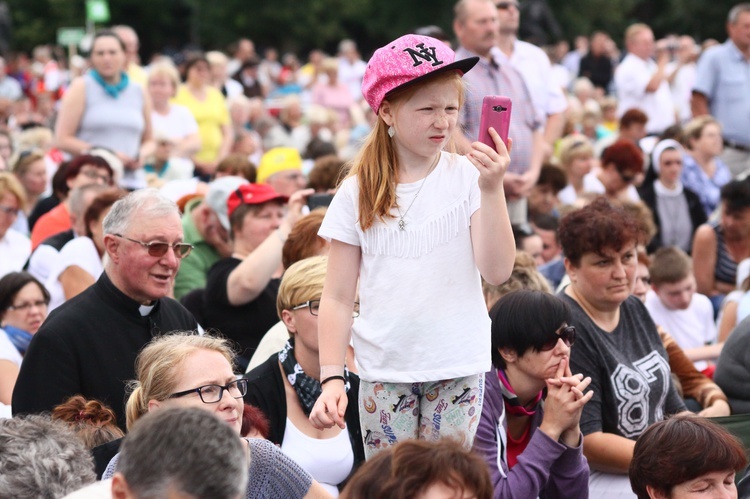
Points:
491	163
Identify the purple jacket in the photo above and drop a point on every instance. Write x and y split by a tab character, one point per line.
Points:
545	469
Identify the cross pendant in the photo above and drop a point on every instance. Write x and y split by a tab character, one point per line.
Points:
402	224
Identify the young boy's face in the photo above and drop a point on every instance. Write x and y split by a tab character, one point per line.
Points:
676	295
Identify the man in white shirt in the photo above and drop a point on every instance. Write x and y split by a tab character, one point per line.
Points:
351	68
535	68
642	83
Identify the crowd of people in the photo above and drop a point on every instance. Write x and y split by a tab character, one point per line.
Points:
322	260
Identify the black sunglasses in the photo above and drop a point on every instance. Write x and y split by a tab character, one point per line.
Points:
565	333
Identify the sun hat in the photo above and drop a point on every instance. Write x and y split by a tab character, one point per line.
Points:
277	160
218	194
406	61
252	194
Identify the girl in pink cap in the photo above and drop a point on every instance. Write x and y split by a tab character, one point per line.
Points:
416	226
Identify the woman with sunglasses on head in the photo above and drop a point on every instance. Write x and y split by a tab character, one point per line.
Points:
104	108
191	370
677	211
528	432
286	386
618	344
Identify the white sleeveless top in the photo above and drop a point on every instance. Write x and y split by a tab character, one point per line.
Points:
328	460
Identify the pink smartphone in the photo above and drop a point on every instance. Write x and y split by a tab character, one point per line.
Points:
496	114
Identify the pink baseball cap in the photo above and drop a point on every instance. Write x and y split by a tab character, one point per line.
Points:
406	61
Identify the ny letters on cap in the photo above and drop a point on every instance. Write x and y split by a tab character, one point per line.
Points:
406	61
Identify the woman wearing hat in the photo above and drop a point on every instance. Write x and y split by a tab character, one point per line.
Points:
240	296
415	226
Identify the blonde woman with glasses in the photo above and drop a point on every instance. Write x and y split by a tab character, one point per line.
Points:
190	370
286	386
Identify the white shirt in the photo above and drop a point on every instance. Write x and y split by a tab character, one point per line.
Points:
544	89
328	460
422	313
591	183
177	124
631	79
15	249
691	328
351	74
80	252
682	89
42	261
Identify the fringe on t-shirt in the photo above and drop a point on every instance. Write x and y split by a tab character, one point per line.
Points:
417	240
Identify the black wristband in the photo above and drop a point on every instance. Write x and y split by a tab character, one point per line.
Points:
329	378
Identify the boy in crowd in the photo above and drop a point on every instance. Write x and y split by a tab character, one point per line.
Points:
674	304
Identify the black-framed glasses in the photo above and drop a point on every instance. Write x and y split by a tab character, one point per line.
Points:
159	249
211	394
565	333
8	210
506	5
314	307
23	307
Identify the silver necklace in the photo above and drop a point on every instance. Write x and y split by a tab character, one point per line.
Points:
401	221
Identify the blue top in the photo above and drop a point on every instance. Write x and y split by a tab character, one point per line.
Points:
707	188
723	76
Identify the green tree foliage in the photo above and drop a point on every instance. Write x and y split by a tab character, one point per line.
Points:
300	25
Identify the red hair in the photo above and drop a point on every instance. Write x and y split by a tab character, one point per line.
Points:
624	155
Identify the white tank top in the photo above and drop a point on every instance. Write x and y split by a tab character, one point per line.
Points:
328	460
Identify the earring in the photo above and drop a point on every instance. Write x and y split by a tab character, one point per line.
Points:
391	131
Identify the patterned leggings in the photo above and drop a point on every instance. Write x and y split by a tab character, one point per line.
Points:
393	412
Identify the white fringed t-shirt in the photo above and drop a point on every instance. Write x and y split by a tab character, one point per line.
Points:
422	312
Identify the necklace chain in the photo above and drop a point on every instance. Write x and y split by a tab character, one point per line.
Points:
401	222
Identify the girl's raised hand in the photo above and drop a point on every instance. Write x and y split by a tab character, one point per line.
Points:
492	164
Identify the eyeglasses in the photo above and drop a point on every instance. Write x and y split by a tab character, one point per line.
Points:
8	210
314	306
23	307
94	175
506	5
159	249
211	394
565	333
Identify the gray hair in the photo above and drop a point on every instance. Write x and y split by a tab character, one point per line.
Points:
42	458
77	197
189	450
735	12
144	202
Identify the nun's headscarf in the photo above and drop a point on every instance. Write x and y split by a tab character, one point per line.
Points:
659	150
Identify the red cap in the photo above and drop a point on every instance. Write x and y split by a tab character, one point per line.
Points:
252	194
